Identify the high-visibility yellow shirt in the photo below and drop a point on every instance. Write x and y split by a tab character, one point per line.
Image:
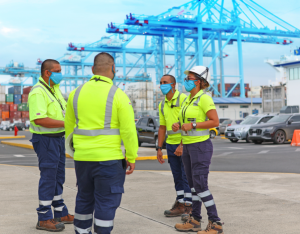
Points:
170	116
43	104
94	114
193	112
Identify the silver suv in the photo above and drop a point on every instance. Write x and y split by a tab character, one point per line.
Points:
240	132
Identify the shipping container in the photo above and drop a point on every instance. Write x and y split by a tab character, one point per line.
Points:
2	89
13	107
27	90
4	107
17	99
9	98
15	114
5	115
2	98
23	107
25	114
14	90
9	103
24	98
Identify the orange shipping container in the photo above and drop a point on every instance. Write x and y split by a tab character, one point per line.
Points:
5	115
9	103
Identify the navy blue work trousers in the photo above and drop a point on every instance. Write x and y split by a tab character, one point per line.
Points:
183	191
52	159
196	158
100	188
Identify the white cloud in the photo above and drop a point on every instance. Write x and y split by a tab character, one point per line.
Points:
6	31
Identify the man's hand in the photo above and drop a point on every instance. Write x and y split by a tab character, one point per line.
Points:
131	168
160	158
178	151
175	127
186	127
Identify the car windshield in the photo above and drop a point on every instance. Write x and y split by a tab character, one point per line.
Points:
250	120
279	119
228	121
222	120
157	120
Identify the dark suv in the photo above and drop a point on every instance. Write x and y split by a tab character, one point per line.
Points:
147	130
279	129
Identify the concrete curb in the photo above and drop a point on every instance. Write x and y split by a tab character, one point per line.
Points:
12	137
142	158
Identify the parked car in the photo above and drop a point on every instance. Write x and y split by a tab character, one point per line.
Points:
11	127
240	132
147	130
221	120
228	122
279	129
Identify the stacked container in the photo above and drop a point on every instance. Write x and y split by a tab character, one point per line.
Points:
2	94
23	107
24	98
17	99
5	111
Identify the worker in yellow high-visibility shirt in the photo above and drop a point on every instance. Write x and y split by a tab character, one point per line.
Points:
99	115
47	112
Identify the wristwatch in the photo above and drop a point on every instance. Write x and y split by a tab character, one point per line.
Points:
194	125
159	148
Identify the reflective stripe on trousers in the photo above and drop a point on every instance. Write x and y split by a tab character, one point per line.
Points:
107	130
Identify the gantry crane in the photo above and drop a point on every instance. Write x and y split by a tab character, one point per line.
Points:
207	21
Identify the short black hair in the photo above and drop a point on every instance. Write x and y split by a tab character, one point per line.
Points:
48	65
173	80
103	61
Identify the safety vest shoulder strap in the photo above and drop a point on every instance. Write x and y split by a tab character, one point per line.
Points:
108	115
198	100
43	88
176	105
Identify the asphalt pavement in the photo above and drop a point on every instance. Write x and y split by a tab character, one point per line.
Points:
228	156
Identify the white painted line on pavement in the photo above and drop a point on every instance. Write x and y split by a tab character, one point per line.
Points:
234	148
224	154
263	152
19	155
297	150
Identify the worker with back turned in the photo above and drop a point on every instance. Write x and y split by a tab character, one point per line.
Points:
98	117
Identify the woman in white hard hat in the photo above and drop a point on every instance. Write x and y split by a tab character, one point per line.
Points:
198	114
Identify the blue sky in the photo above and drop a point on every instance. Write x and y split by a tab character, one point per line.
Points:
31	29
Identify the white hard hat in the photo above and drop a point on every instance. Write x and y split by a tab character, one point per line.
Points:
201	71
69	145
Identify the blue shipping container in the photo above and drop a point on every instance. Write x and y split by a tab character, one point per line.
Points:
17	99
14	90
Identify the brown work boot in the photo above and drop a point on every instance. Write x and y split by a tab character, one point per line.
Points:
188	211
50	225
177	210
68	219
213	228
191	225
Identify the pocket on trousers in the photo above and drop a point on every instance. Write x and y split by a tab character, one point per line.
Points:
48	170
116	189
35	144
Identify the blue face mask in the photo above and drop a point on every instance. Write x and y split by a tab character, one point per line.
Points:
189	85
56	77
165	88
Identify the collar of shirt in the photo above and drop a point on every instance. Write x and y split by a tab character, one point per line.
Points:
54	86
108	80
195	97
176	94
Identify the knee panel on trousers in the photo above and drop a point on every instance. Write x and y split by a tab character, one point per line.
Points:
48	171
200	178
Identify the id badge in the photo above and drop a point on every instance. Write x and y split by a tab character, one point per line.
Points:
64	113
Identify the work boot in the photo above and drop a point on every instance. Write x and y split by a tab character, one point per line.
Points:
68	219
191	225
177	210
213	228
50	225
188	211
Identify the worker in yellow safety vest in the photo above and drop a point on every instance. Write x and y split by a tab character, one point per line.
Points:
47	113
168	114
99	115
